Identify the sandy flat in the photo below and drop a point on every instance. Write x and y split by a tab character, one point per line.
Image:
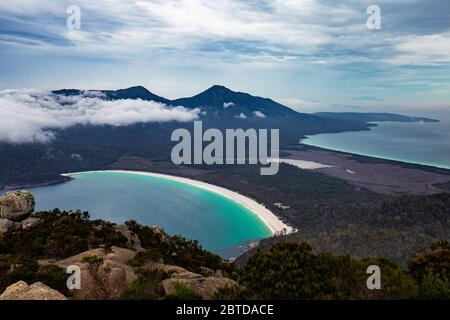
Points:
386	178
302	164
265	215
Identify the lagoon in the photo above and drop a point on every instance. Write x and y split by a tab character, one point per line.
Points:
218	223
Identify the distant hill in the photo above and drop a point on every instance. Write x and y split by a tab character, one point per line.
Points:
372	117
137	92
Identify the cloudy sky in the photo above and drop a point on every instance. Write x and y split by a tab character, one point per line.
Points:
308	54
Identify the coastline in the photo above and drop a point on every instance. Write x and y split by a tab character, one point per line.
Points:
342	146
273	223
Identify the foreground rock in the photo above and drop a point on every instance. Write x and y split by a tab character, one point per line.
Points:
133	239
16	205
7	226
204	286
105	274
37	291
30	222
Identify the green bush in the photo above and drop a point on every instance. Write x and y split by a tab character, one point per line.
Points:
294	271
183	293
147	286
432	271
61	234
27	269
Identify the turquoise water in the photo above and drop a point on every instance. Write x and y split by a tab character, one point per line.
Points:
179	208
417	142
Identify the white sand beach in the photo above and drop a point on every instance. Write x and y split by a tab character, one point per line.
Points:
265	215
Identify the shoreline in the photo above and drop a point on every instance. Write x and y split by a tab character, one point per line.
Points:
379	157
272	222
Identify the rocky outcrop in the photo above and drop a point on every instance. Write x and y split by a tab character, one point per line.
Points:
107	280
30	222
16	205
133	239
7	226
37	291
203	285
15	210
112	275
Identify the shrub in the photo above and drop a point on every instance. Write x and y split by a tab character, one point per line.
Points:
183	293
147	286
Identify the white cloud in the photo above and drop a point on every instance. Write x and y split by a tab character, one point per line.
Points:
259	114
227	105
241	116
28	115
431	49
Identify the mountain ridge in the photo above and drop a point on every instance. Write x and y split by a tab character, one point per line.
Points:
218	100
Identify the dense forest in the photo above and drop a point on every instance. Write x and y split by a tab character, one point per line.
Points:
286	270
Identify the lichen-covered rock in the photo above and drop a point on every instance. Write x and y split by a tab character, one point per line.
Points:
7	226
108	280
205	286
37	291
30	222
16	205
133	239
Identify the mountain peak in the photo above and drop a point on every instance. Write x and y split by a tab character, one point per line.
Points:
221	101
136	92
218	89
135	89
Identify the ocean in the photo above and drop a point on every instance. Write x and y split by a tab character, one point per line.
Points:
416	142
218	223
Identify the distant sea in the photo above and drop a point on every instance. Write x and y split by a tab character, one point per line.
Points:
414	142
218	223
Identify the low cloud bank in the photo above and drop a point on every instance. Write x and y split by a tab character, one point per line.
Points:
28	115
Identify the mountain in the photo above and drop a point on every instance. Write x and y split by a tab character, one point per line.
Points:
221	101
372	117
137	92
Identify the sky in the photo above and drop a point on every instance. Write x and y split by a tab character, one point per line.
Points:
312	55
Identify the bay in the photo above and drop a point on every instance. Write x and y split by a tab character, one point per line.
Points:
218	223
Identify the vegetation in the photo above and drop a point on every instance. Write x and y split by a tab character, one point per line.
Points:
173	250
432	271
147	286
294	271
61	234
183	293
279	270
28	269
